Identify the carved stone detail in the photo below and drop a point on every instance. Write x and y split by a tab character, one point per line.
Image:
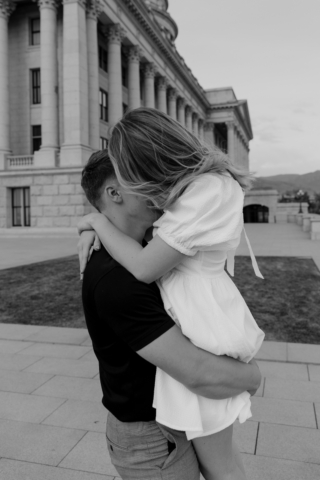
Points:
149	70
115	33
181	102
6	8
134	54
172	94
230	124
83	3
209	126
94	8
162	83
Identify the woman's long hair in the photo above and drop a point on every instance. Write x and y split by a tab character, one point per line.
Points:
156	157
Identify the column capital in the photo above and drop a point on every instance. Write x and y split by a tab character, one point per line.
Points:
188	110
134	54
230	124
149	70
115	33
6	8
208	126
162	83
83	3
172	94
94	8
181	102
53	4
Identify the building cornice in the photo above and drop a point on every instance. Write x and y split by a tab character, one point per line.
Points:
140	12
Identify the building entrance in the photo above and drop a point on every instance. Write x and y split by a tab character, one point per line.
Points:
256	214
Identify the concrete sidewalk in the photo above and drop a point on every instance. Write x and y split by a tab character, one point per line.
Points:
52	422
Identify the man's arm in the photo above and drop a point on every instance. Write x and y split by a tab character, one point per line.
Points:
135	312
203	373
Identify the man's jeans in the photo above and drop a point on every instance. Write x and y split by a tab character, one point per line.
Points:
150	451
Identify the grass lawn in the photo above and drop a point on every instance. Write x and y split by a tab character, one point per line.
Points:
286	305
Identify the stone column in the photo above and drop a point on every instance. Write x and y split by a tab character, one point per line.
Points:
46	156
181	111
189	118
6	8
134	77
208	133
75	150
173	103
115	36
94	9
201	131
162	94
195	129
231	141
149	73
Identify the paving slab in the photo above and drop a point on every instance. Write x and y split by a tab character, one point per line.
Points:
90	356
71	388
17	470
314	373
90	416
87	342
292	390
65	366
70	336
12	331
285	412
27	408
12	381
36	443
10	361
59	351
90	455
13	346
245	436
291	443
305	353
276	351
293	371
264	468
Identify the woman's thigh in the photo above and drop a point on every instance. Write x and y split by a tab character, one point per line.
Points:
149	451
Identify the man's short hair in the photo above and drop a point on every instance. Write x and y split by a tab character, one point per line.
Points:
95	173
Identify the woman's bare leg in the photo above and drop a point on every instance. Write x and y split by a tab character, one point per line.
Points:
218	456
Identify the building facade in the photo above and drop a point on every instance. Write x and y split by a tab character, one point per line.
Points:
68	71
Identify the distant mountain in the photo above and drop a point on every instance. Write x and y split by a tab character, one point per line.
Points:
309	182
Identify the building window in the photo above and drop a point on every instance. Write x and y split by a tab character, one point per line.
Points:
103	143
21	207
35	31
36	138
35	82
124	108
103	100
103	59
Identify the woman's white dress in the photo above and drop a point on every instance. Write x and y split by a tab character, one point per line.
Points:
205	224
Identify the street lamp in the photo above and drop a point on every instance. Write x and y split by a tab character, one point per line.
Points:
299	197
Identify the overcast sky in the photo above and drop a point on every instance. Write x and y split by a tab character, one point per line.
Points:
269	52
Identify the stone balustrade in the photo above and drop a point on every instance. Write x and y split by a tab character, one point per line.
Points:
15	162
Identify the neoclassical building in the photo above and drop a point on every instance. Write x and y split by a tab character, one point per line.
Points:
68	71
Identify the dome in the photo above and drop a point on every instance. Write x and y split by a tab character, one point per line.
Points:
158	4
162	17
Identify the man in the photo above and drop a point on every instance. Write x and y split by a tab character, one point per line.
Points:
132	334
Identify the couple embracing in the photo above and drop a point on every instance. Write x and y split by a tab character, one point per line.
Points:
173	336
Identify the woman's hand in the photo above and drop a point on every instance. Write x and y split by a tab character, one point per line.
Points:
88	242
86	222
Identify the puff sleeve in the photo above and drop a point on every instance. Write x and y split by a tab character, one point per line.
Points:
207	216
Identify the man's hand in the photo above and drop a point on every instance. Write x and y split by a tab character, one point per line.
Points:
88	242
257	375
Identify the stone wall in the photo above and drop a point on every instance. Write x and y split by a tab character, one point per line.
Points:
56	198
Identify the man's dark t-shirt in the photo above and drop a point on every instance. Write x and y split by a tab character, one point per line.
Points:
123	315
